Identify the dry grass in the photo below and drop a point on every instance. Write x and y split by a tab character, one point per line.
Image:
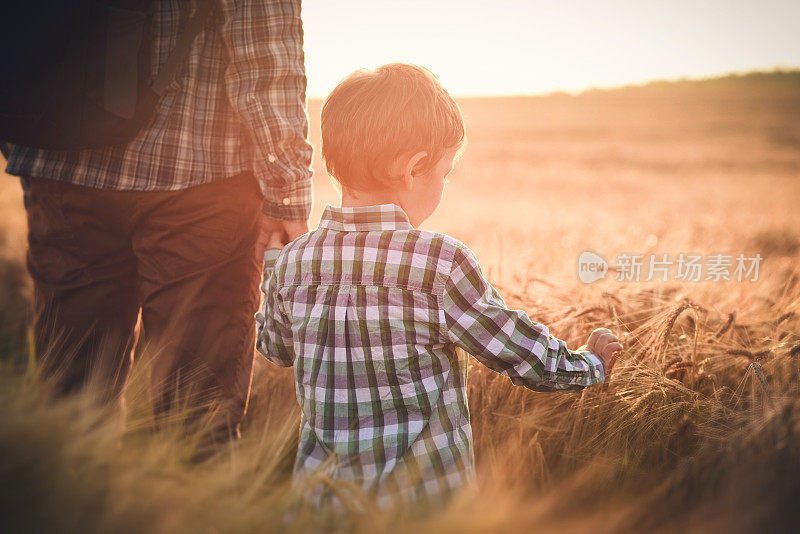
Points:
698	430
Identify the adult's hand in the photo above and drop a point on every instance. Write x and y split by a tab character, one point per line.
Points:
272	231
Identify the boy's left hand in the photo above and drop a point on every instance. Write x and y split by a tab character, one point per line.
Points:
275	241
275	233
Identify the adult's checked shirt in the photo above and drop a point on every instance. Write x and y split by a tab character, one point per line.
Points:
369	311
237	105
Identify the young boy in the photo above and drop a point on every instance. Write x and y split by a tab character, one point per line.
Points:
369	310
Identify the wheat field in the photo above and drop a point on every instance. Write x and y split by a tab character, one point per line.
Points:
698	429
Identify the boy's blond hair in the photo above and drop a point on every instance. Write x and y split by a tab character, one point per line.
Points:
376	115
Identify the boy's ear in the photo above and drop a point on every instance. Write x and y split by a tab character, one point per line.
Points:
412	167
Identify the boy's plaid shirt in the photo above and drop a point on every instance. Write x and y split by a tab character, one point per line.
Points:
369	311
238	105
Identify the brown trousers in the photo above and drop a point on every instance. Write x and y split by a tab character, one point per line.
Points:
185	258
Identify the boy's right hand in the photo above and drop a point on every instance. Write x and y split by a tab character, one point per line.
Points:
605	345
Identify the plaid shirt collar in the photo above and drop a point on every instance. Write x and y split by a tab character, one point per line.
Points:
365	218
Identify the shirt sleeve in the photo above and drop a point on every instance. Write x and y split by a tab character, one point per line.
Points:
266	84
507	341
274	339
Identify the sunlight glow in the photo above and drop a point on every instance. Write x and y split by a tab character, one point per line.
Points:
529	47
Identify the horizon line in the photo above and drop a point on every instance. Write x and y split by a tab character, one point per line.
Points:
776	69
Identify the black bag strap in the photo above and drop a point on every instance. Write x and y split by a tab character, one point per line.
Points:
182	48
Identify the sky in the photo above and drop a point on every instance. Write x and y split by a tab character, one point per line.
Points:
503	47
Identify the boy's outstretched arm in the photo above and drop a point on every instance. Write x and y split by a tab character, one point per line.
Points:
507	341
274	338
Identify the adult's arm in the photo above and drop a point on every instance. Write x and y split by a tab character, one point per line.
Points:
266	84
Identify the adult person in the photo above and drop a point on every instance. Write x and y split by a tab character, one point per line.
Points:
173	224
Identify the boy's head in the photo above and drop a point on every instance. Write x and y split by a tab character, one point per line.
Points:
391	134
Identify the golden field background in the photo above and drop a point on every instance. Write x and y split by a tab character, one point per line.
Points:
698	429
